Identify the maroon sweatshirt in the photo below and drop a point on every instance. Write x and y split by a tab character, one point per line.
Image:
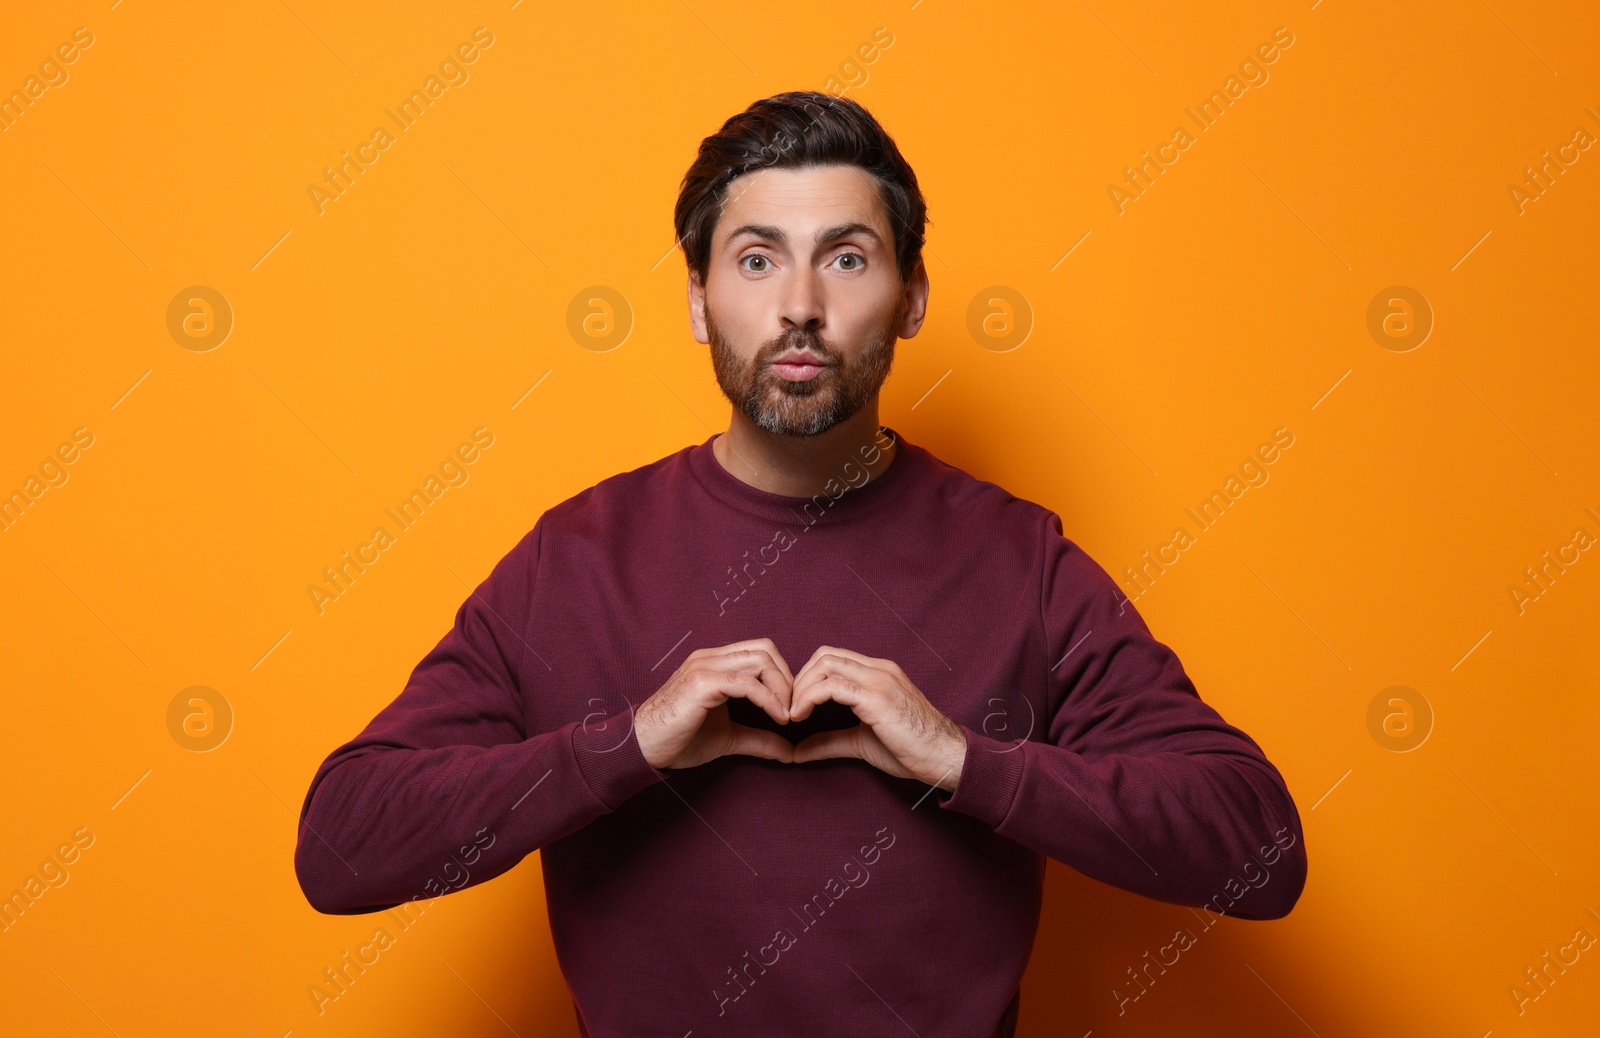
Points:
749	896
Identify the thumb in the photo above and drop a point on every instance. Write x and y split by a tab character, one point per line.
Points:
835	742
757	742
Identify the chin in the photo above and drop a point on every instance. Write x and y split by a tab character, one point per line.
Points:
803	425
788	388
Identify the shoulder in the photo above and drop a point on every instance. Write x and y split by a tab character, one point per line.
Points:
619	502
579	527
1015	530
975	501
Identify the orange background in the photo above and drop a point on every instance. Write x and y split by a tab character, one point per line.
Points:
1163	344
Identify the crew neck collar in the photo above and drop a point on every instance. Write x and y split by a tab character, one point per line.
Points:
823	509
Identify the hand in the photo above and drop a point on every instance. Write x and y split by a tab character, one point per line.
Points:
686	723
901	733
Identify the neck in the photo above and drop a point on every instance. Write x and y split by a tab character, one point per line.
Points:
801	466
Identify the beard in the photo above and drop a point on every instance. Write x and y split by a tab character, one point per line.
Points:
833	395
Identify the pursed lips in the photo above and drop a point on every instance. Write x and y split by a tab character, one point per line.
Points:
797	367
795	357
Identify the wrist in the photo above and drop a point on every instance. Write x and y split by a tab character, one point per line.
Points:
954	756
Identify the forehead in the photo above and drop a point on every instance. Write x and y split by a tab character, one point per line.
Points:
801	201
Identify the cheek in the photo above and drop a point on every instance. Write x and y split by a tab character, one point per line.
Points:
878	305
874	324
741	323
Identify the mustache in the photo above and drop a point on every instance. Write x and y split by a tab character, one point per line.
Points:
811	342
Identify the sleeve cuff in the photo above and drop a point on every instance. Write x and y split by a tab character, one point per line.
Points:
610	761
991	774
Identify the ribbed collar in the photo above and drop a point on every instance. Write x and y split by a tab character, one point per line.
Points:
909	461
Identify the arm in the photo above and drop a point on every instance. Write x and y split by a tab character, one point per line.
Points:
445	788
1135	780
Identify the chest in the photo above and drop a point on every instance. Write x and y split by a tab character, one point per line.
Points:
959	614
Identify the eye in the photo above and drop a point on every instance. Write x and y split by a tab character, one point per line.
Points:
759	258
858	258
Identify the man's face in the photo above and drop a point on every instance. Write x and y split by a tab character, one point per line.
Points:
802	262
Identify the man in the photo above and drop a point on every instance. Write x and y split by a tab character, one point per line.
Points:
795	715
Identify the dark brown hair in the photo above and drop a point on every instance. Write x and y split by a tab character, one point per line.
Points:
798	129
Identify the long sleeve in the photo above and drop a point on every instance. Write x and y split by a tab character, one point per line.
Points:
1134	780
446	788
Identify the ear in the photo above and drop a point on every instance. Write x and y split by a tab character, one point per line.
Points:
697	309
914	301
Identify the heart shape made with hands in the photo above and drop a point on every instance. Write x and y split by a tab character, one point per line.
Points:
847	704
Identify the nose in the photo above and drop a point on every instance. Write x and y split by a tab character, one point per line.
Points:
802	306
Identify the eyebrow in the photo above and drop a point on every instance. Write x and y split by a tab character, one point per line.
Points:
826	236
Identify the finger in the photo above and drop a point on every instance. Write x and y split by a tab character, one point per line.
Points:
765	645
838	678
816	690
758	661
871	662
821	650
739	685
835	650
754	742
838	742
811	687
815	653
785	688
772	650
